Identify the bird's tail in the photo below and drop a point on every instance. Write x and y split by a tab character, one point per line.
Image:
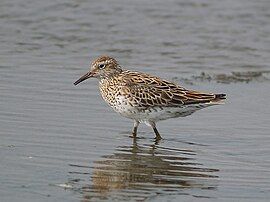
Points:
219	98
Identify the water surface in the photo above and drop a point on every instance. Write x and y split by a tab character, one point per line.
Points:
59	142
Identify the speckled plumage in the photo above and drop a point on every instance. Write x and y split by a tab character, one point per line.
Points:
143	97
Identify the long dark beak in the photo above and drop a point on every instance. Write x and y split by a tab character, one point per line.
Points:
84	77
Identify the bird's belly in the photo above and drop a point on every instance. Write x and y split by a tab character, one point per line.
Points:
160	113
157	113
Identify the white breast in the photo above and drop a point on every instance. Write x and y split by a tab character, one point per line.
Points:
122	107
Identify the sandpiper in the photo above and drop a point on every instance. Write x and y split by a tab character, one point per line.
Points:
143	97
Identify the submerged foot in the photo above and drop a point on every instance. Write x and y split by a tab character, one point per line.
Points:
158	137
133	135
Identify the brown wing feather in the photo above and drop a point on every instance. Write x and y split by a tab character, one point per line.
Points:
147	91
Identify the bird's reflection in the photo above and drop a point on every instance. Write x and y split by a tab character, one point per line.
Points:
139	171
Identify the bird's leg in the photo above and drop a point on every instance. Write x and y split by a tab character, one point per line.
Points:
153	125
158	136
135	127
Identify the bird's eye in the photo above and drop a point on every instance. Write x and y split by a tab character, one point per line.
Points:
101	66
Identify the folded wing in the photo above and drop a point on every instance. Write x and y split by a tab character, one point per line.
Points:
148	91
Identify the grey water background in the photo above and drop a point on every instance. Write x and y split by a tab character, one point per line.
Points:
59	142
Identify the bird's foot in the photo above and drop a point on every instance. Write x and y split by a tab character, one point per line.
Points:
133	135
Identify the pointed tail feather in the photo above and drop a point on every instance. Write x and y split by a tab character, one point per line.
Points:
218	98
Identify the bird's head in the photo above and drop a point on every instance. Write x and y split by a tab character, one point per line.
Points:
102	68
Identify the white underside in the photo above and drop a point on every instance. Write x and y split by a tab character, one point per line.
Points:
158	113
155	114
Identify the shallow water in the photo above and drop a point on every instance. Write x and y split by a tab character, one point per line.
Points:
57	144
